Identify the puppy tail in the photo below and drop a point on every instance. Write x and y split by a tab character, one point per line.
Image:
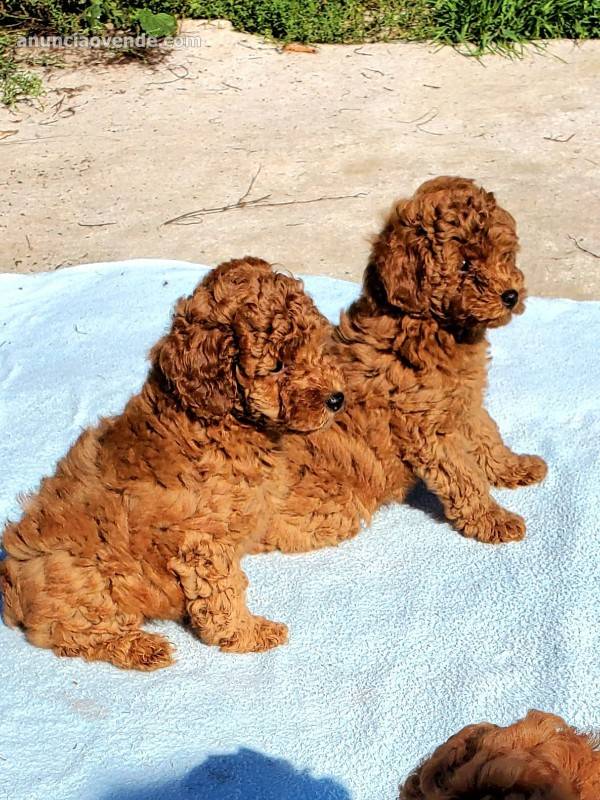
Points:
12	611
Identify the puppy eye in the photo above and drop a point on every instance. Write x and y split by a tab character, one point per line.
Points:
465	266
278	366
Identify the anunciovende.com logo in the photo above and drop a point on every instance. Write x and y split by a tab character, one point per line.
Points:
124	42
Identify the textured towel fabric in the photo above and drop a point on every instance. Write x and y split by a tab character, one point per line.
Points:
397	638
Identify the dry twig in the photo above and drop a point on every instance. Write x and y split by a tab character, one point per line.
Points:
95	224
195	217
561	139
174	73
582	248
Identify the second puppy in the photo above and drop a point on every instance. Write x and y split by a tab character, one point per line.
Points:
414	353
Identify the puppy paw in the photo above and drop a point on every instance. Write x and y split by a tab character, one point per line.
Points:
149	651
522	471
269	634
135	650
262	635
496	526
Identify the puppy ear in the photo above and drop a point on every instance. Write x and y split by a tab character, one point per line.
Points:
396	267
196	358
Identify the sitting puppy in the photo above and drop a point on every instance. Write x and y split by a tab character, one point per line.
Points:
413	350
538	758
150	512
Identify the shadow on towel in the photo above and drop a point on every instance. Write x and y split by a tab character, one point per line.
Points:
245	775
422	499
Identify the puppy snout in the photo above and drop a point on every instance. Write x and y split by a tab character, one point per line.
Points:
510	298
335	401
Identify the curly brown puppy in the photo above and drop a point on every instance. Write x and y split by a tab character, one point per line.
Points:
414	352
149	513
538	758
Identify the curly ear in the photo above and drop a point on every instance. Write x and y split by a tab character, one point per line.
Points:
196	359
396	267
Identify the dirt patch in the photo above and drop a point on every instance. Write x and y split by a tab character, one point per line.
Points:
294	156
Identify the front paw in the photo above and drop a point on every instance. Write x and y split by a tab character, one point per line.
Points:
522	471
495	526
263	634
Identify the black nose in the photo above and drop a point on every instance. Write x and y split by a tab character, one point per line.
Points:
335	401
510	298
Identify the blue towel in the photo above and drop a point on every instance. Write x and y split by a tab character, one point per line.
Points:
397	638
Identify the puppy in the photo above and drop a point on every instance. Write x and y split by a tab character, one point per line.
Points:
538	758
414	352
150	512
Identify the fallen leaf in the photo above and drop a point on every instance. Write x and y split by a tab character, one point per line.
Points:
298	47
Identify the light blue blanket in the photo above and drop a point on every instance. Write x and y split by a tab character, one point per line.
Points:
397	638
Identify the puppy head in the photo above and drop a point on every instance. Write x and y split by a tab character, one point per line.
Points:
538	758
249	341
449	253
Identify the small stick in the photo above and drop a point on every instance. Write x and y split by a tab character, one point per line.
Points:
582	248
193	217
176	78
559	138
95	224
249	189
25	141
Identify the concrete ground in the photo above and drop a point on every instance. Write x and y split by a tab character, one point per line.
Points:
328	140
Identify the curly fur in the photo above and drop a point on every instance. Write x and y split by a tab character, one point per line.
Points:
537	758
149	513
414	355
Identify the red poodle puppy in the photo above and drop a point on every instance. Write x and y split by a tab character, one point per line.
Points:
150	512
414	353
538	758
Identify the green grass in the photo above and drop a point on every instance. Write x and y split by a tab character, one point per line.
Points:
488	25
15	83
482	24
476	26
324	21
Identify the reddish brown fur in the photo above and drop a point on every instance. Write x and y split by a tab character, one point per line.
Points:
149	513
538	758
414	354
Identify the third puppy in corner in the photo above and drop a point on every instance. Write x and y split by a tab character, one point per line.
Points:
539	757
